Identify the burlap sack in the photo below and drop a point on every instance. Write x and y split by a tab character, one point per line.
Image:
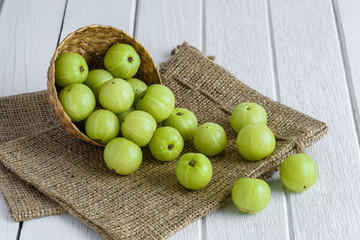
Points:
20	116
150	203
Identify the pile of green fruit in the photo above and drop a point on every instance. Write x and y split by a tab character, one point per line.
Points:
123	112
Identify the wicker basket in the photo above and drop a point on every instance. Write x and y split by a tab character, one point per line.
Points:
92	42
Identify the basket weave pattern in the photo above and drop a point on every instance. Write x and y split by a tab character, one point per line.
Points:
92	42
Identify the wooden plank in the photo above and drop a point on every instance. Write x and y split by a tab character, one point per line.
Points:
348	23
57	227
120	14
8	227
237	33
26	47
28	40
191	232
162	25
312	80
78	14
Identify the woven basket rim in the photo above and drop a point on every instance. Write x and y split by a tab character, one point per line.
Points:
51	87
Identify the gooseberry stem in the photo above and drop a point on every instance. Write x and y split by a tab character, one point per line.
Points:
192	163
82	69
179	113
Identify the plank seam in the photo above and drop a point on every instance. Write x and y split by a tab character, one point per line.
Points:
62	24
203	227
289	227
203	27
19	230
14	62
273	53
135	20
347	68
289	214
1	5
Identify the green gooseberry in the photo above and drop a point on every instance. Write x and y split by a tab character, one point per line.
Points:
96	78
139	88
184	121
70	68
210	139
122	156
78	101
166	144
122	61
116	95
102	126
255	142
247	113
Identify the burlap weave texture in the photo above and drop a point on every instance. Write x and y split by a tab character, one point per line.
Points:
149	204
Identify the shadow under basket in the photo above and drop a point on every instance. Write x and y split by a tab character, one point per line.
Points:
92	42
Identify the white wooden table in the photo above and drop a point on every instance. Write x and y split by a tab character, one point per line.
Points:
303	53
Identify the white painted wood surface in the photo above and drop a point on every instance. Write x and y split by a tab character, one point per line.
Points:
294	55
312	79
81	13
162	25
8	227
28	36
57	227
246	52
348	19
